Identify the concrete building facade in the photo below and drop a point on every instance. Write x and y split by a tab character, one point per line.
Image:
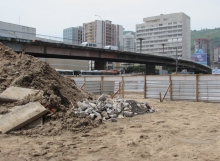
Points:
165	35
73	35
216	58
103	33
202	46
17	31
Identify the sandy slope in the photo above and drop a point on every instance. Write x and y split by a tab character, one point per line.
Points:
181	130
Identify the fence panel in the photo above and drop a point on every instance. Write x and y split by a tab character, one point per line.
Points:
209	88
108	87
156	85
134	84
184	87
94	87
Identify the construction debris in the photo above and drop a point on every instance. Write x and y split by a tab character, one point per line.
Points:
13	94
21	116
30	89
105	110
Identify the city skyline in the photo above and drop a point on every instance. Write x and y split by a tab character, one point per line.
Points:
51	17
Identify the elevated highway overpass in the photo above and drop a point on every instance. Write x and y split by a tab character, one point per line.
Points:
100	56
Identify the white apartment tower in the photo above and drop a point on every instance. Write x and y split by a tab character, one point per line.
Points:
103	33
165	35
129	39
72	35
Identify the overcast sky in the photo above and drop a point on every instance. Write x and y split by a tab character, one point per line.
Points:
50	17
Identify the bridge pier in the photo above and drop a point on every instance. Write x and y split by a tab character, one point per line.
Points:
150	69
100	65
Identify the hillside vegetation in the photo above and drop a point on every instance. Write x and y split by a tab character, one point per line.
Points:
212	34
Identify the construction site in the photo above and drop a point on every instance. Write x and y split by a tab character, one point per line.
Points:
46	116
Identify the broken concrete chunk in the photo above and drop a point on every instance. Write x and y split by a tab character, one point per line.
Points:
102	98
21	116
83	105
35	123
13	94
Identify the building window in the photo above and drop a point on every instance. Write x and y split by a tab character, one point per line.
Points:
170	23
174	22
160	24
165	19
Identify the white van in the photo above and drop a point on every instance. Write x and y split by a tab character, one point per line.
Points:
89	44
111	47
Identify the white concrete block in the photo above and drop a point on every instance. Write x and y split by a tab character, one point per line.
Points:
13	94
21	116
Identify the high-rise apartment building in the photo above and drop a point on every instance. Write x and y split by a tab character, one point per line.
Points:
129	39
165	35
103	33
73	35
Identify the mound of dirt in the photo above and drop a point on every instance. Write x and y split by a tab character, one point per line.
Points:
60	94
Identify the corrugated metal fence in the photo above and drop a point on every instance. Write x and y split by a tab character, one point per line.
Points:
178	87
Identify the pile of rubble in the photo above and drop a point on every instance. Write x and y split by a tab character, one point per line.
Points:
30	90
111	109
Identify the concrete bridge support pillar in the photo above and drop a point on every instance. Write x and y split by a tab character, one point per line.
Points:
100	64
150	69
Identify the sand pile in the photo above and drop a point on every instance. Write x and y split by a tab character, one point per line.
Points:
60	94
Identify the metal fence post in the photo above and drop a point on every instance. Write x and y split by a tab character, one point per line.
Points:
171	89
145	86
123	94
102	87
197	87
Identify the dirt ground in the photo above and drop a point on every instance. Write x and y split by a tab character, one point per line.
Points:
180	130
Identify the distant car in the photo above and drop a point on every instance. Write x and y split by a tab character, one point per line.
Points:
89	44
111	47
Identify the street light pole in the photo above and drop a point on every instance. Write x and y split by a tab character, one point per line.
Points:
140	43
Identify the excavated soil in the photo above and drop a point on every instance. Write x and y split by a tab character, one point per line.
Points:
60	94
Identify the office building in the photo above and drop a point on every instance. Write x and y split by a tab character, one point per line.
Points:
72	35
17	31
129	40
165	35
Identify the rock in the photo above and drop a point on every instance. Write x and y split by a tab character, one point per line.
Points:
92	116
83	106
120	116
82	114
88	110
102	98
93	105
128	114
113	120
105	114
